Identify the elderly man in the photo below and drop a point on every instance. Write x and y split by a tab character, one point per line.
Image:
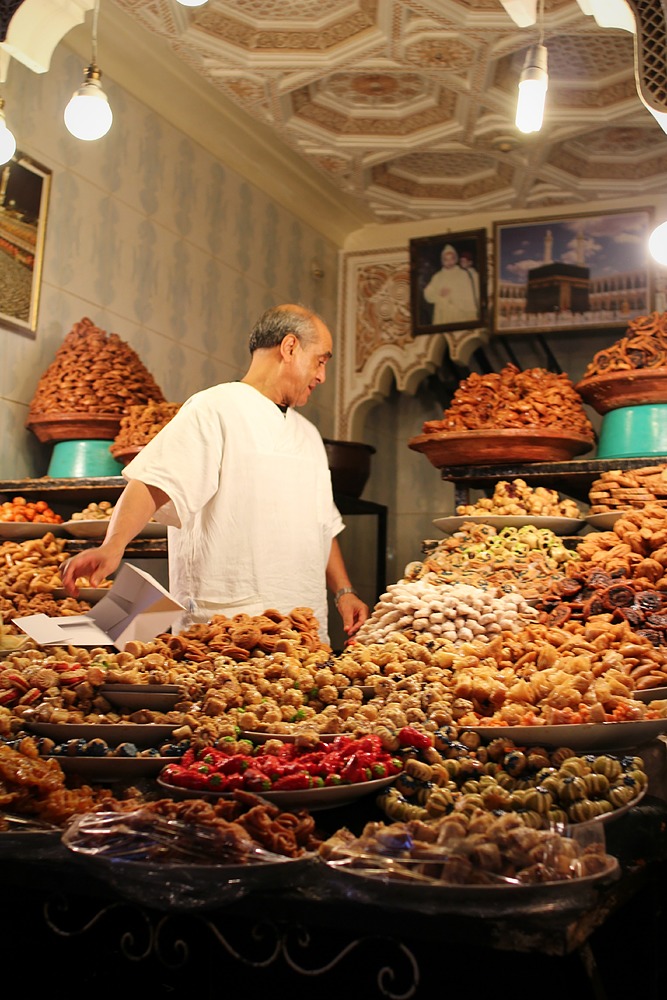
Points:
242	481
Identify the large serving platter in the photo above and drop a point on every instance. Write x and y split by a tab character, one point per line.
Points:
615	389
606	520
498	446
585	736
18	531
650	694
111	768
559	525
159	697
375	882
307	798
113	733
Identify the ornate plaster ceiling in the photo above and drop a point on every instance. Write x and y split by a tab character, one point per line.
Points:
408	105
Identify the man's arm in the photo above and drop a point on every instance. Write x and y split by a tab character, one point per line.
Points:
136	505
351	608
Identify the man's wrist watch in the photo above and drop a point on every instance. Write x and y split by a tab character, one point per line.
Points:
341	593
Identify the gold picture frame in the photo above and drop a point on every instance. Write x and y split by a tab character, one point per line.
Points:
24	198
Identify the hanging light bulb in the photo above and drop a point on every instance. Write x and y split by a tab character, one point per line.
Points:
533	85
657	243
532	90
88	115
7	140
192	3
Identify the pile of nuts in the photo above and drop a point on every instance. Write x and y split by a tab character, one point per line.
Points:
93	373
140	424
101	511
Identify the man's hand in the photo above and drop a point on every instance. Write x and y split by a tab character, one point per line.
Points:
353	611
96	564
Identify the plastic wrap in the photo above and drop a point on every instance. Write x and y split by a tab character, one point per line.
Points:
171	864
510	870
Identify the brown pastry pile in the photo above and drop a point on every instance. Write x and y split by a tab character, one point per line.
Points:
534	398
29	575
235	826
238	637
644	346
141	423
93	373
33	786
633	488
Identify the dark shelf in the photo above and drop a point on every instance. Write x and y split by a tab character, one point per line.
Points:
76	493
65	491
139	548
571	478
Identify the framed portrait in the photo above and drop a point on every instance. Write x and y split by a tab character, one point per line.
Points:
24	198
572	272
448	282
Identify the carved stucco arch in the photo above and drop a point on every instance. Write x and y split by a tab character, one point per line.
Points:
377	344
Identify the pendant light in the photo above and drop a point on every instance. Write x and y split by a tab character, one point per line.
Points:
533	85
657	244
192	3
7	140
88	115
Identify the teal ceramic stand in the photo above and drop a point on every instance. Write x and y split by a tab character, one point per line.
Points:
76	459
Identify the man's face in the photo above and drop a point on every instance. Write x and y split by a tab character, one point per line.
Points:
449	258
309	367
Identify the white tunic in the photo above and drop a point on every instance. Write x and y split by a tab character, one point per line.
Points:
251	514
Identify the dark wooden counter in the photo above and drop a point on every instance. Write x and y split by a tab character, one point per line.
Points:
86	937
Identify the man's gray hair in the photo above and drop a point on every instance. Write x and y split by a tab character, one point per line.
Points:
273	326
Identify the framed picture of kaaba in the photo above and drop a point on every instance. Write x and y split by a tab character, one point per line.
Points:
572	272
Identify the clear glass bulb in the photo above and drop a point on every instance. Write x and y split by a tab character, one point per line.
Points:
657	243
88	115
7	143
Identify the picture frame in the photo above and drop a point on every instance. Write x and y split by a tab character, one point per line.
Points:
444	295
24	198
569	272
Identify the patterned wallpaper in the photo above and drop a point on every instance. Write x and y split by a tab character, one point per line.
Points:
154	240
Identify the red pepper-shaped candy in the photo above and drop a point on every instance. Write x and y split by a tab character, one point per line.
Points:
293	782
408	736
354	770
255	781
236	764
